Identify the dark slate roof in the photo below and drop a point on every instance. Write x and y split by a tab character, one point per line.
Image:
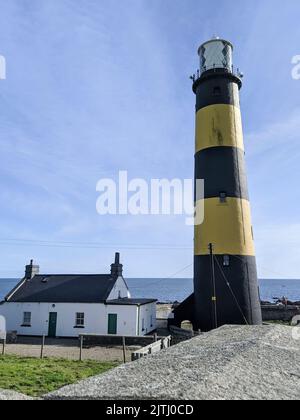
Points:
135	302
64	289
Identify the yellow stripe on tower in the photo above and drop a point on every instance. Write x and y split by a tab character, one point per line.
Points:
226	225
219	125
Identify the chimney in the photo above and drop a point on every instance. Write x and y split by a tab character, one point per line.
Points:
117	268
31	270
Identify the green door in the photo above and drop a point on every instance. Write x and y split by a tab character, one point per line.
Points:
52	324
112	323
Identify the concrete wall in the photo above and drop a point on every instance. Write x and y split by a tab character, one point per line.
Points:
111	340
96	318
279	313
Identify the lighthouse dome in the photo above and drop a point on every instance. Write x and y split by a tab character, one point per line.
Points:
216	54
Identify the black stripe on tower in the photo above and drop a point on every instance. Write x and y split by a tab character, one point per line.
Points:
242	274
223	169
216	88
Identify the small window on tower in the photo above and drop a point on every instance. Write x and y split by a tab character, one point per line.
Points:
217	91
223	197
226	261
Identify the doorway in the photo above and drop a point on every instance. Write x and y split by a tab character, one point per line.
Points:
112	323
52	324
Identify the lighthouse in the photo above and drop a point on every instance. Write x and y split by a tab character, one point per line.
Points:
225	274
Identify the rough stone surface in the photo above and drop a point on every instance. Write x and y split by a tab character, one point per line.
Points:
12	396
231	363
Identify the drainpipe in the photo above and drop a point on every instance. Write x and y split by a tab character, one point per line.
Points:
139	316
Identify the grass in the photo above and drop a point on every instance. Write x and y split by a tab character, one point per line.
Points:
35	377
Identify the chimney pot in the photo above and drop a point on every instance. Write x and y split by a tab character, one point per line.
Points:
31	270
117	268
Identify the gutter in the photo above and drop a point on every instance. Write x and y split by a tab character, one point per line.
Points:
18	286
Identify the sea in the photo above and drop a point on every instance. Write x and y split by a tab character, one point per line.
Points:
172	290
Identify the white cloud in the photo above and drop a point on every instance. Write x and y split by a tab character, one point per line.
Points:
277	137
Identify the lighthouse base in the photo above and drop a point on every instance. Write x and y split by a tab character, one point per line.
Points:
184	312
237	295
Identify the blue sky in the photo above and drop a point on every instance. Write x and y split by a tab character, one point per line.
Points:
95	87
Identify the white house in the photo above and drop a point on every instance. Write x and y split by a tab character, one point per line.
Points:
70	305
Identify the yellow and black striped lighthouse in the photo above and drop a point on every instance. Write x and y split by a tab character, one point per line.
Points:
225	274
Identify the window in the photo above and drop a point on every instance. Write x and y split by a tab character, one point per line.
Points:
217	91
27	319
226	261
80	319
143	324
223	197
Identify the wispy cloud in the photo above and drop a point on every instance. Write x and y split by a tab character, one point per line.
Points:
273	158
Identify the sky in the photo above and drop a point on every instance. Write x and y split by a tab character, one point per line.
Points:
94	87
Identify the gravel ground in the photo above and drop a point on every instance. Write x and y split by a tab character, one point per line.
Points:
12	396
231	363
66	349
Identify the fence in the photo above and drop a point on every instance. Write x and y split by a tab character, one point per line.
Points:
153	348
90	340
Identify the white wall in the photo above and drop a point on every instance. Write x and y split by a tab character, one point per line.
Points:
148	314
120	290
96	318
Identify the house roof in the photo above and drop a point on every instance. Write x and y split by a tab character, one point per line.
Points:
135	302
64	289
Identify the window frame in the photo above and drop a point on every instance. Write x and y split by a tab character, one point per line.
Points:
226	260
217	91
223	197
80	320
27	318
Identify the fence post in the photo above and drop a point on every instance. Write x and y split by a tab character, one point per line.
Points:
3	347
124	348
81	348
42	347
155	338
